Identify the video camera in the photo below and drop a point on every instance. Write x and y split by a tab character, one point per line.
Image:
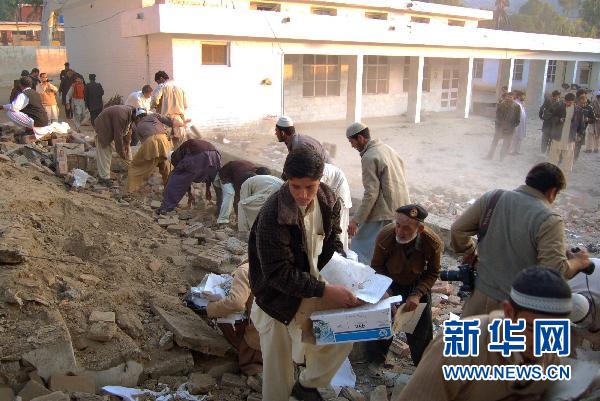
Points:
466	274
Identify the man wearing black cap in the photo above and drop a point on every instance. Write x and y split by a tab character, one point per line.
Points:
385	188
410	254
515	229
537	293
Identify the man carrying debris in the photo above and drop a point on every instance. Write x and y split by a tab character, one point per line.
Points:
295	235
173	103
253	194
113	124
153	130
286	133
76	101
48	93
194	161
335	178
228	184
537	293
93	98
27	110
242	335
385	189
515	229
410	254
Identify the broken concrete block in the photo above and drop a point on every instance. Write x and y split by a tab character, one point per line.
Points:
71	384
193	229
168	221
6	393
235	246
166	341
191	331
97	316
155	204
52	358
211	260
169	363
130	324
32	390
352	394
201	383
55	396
176	229
221	367
89	279
233	381
125	374
379	394
102	331
154	265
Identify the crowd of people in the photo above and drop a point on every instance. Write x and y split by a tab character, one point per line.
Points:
295	223
567	124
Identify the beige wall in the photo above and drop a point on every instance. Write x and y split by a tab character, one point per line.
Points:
14	59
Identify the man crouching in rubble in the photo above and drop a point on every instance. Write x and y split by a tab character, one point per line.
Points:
294	236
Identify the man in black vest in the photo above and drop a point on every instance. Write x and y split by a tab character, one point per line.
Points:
26	110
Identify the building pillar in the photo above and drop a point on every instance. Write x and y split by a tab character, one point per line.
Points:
536	83
465	86
355	89
415	89
505	70
571	72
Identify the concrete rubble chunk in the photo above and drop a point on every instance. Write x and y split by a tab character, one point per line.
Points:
126	374
379	394
193	229
166	341
55	396
169	363
98	316
89	278
176	229
221	367
155	204
201	383
102	331
57	357
155	265
71	384
32	390
189	330
232	380
168	221
352	394
235	246
130	324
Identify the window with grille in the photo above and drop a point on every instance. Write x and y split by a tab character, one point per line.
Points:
376	74
215	54
426	76
585	72
420	20
551	73
373	15
320	75
324	11
406	74
518	70
265	6
478	68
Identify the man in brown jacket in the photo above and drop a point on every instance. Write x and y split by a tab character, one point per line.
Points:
410	254
295	235
385	187
242	335
113	124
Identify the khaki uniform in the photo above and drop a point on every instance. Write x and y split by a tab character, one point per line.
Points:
428	384
282	344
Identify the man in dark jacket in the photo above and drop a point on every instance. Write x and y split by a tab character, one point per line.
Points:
93	98
545	115
588	118
508	117
294	236
567	122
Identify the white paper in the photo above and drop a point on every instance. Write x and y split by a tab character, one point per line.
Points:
344	377
213	287
231	319
373	288
453	317
126	393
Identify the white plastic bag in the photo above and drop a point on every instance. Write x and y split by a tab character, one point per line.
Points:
213	287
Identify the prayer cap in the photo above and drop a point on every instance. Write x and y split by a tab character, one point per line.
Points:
542	290
354	129
284	122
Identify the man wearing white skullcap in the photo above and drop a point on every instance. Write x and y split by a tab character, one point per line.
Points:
537	293
587	287
385	190
286	132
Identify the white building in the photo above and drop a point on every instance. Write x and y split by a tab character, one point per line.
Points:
243	62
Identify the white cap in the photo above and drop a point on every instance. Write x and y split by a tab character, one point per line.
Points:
169	155
580	308
354	129
139	111
284	122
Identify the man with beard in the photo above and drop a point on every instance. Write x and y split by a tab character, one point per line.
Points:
286	133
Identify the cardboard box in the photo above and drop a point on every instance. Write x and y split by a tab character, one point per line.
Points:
364	323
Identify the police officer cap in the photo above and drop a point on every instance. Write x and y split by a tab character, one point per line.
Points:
414	211
354	129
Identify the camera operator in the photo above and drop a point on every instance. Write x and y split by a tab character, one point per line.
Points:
410	254
515	229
